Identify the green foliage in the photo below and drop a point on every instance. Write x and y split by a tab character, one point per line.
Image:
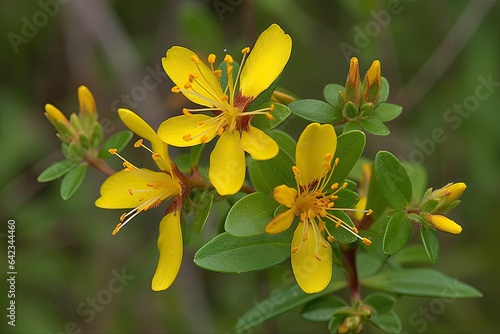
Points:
322	308
118	141
203	205
315	111
431	242
393	180
280	113
73	180
57	170
268	174
397	234
350	146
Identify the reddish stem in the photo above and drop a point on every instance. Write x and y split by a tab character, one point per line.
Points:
349	260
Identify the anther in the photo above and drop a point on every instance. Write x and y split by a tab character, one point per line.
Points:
220	131
175	89
203	139
187	137
112	150
295	249
117	228
141	198
211	58
127	165
130	191
269	116
367	242
355	230
228	59
316	255
122	217
155	156
150	184
230	70
295	170
245	50
224	98
330	238
218	73
187	85
186	112
195	59
334	186
370	211
191	77
336	161
138	143
271	108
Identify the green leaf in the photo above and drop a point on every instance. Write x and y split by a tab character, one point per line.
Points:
322	308
72	181
281	302
57	170
374	126
384	90
352	126
224	77
376	201
386	112
227	253
347	199
183	162
366	264
380	302
418	177
202	209
350	145
397	233
411	255
431	242
194	155
388	322
119	140
331	93
268	174
375	249
393	180
250	215
422	282
315	111
284	140
97	135
280	113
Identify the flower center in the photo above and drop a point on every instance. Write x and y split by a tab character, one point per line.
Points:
228	105
315	205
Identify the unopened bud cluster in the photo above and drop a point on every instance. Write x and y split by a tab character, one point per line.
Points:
81	132
356	317
437	203
360	98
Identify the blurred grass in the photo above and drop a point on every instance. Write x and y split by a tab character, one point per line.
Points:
65	251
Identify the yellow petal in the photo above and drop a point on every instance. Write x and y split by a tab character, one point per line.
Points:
139	126
54	114
227	164
170	247
178	65
361	205
281	222
258	144
312	275
285	195
174	131
315	142
115	189
86	100
266	61
445	224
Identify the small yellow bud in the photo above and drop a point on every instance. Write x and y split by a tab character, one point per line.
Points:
451	191
353	77
86	100
53	114
374	74
444	224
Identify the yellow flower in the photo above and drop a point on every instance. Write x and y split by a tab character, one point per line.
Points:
313	202
141	189
201	84
444	224
86	100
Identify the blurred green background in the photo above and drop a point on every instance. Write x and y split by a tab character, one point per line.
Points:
435	54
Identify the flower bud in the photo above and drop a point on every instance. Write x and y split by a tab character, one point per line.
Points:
353	83
86	100
53	114
444	224
450	192
372	83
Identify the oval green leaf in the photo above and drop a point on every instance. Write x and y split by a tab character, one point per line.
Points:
397	233
57	170
280	113
374	126
384	90
422	282
380	302
331	93
203	205
322	308
72	181
227	253
431	242
315	111
393	180
388	322
350	146
250	215
386	112
268	174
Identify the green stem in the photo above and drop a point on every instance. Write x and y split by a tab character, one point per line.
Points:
100	165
